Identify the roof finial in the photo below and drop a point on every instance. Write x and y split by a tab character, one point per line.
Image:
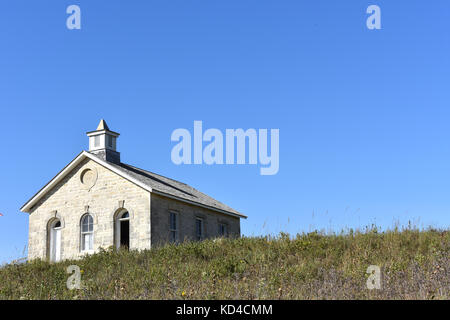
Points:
102	125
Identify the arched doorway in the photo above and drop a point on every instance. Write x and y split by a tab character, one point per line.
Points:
55	240
122	229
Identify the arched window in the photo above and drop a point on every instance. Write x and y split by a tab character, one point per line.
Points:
54	234
122	230
87	233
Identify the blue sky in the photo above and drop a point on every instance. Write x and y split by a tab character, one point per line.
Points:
363	114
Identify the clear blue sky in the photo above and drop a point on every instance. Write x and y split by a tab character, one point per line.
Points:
363	115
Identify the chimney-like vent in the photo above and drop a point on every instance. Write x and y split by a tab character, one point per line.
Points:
103	143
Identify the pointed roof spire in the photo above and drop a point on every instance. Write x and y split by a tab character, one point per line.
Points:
102	125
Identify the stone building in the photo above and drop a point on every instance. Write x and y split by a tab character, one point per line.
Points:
97	201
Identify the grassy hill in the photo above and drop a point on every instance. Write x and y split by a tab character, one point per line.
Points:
414	264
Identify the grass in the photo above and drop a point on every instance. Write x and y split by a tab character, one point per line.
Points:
414	265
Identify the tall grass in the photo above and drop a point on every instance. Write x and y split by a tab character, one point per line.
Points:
415	265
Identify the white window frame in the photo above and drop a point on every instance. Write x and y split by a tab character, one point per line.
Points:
84	233
171	229
200	236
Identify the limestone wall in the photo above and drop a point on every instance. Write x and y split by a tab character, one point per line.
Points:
100	192
160	208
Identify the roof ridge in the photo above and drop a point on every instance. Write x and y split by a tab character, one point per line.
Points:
187	185
127	164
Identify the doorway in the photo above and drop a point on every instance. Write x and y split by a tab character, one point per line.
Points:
125	234
123	231
55	241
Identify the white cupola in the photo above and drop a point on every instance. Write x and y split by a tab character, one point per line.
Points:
103	143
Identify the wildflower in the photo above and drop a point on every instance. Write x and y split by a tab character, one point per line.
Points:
183	293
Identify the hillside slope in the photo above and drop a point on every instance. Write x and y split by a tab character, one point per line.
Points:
414	265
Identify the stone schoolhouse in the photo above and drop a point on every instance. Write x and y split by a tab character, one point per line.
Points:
97	201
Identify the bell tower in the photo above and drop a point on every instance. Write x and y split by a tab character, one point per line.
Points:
103	143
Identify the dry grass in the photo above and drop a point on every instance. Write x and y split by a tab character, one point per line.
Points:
415	265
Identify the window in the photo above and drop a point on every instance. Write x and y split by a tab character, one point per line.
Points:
173	227
109	141
199	228
223	230
96	141
123	230
87	233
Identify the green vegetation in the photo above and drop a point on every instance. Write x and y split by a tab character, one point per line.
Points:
414	264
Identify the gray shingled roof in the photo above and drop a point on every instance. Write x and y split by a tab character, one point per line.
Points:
173	188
